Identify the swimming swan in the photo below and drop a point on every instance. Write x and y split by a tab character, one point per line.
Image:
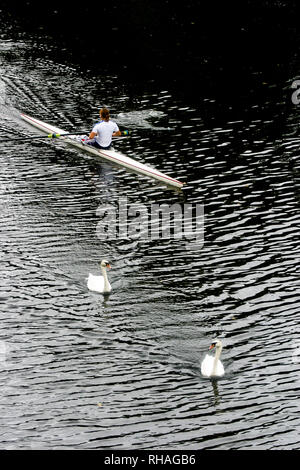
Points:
212	366
100	283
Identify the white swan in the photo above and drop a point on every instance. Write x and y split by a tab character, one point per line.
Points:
212	366
100	283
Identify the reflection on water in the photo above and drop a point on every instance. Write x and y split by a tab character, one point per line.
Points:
215	389
79	370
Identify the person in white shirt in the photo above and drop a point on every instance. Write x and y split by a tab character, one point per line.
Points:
103	132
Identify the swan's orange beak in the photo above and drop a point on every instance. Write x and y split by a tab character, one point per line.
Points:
108	266
211	346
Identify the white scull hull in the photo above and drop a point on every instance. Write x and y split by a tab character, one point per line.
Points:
108	155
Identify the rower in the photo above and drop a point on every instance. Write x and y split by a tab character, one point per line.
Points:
103	131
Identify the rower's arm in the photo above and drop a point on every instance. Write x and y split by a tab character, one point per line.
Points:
116	134
92	135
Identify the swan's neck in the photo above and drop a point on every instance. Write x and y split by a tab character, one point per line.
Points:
106	283
217	357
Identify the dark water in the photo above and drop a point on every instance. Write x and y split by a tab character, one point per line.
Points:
80	371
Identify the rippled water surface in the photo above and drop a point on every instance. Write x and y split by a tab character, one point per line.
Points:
83	371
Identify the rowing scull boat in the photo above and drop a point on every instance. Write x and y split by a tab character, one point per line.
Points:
109	155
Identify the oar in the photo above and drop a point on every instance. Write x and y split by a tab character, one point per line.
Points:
49	136
54	136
